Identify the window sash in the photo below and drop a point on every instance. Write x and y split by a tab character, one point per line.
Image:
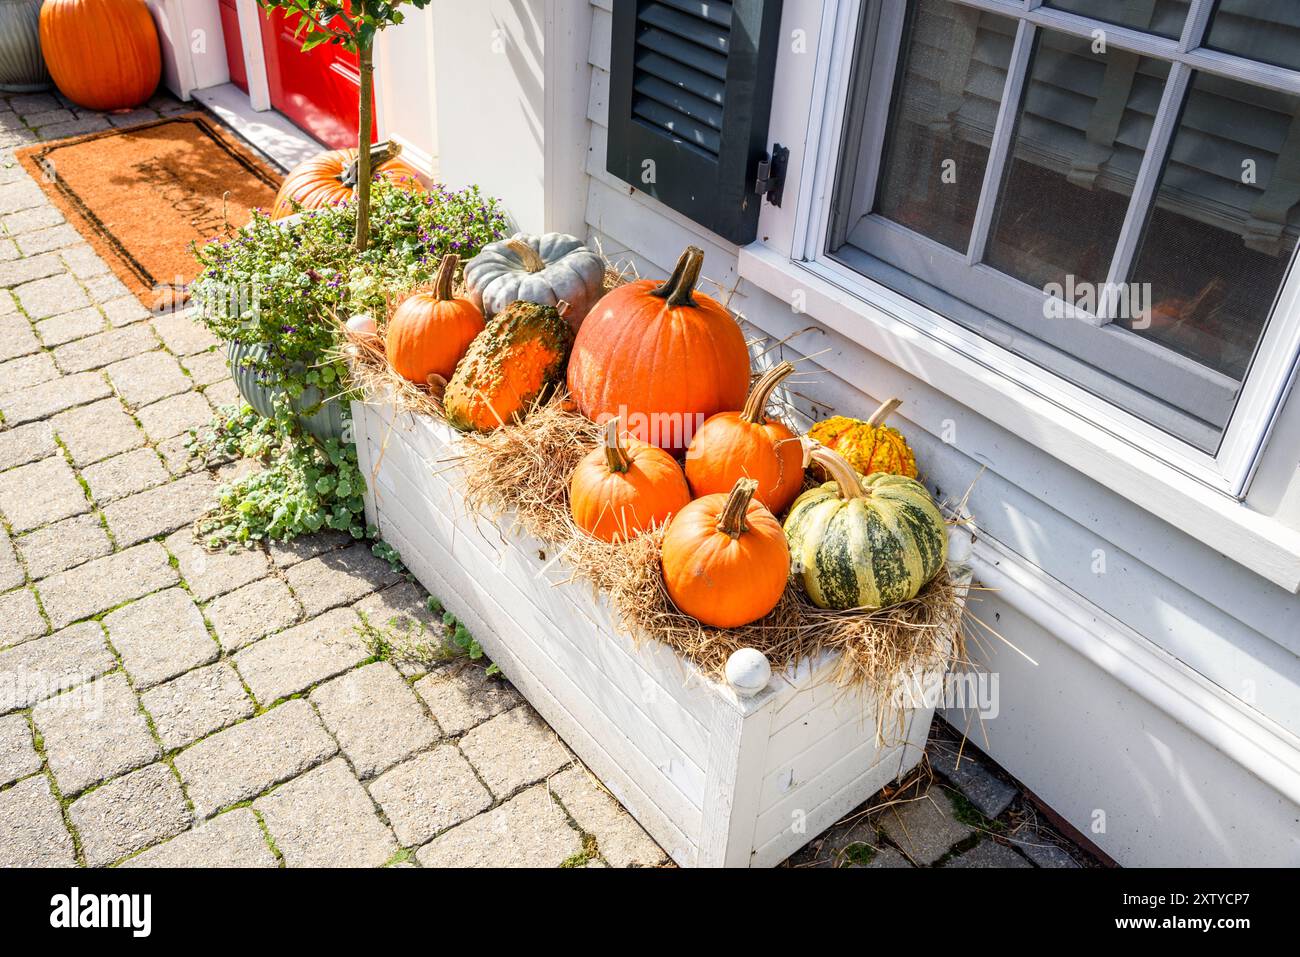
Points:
1193	403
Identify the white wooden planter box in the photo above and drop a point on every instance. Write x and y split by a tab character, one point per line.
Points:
717	776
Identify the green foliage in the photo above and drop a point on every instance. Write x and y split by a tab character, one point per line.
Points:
302	486
288	287
352	25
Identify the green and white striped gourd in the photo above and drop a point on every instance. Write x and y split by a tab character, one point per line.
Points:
864	541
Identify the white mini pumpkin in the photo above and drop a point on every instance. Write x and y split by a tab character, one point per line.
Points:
543	269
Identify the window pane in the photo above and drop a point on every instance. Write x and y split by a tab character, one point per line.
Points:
950	78
1163	17
1265	30
1224	227
1084	125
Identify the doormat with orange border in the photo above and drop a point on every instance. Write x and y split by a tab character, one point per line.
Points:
142	194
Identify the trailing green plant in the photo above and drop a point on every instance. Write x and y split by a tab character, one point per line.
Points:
353	25
302	484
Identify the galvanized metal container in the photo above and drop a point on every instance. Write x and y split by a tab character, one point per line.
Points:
22	67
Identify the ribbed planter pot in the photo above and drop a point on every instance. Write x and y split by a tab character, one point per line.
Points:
325	423
22	68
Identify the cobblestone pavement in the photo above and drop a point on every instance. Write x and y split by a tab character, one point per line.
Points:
164	706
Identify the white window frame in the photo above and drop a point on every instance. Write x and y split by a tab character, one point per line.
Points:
1194	490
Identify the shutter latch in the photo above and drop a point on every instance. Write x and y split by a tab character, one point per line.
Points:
771	174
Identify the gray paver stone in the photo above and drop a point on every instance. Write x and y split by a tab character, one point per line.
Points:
160	636
429	793
33	827
233	839
243	761
375	717
94	732
514	750
296	659
129	814
529	830
326	819
924	829
462	696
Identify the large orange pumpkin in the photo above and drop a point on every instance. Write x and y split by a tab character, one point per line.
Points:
432	329
324	180
725	558
624	486
732	445
102	54
661	356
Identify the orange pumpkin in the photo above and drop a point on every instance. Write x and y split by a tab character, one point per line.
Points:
869	446
731	445
725	558
431	330
624	486
102	54
321	180
662	357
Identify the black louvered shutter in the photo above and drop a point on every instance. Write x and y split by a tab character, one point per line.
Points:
690	93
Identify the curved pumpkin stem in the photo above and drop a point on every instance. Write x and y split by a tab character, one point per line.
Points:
732	520
680	286
756	404
885	411
840	470
532	260
615	453
442	280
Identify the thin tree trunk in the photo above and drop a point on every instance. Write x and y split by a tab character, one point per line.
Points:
367	64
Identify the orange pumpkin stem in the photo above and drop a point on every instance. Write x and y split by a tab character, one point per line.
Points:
679	289
840	470
884	412
732	520
446	273
756	404
527	255
615	454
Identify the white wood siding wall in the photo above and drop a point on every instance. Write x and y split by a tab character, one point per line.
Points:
1220	620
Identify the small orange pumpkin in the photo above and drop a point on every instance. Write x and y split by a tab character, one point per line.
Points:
747	443
624	486
431	330
102	54
325	180
725	558
661	356
869	446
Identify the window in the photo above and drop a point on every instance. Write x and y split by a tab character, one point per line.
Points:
1110	189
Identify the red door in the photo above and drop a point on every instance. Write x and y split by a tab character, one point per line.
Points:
234	44
318	90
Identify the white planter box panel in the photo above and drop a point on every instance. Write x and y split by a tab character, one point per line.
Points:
716	777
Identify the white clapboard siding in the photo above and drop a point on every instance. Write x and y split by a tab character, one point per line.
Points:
716	777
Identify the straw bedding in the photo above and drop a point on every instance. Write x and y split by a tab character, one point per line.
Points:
520	473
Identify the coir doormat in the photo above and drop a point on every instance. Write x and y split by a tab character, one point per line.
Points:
142	194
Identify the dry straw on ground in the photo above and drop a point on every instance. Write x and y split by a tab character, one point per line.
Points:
520	473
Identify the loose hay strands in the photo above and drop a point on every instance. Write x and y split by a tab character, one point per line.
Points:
521	470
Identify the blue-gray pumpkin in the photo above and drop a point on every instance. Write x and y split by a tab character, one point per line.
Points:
864	541
547	269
